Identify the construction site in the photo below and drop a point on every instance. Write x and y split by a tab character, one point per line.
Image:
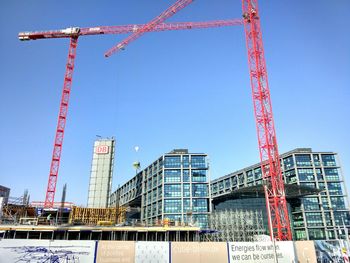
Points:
288	207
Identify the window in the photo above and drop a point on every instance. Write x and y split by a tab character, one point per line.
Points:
186	176
221	185
319	174
172	190
303	159
311	203
234	181
316	233
199	175
328	218
201	220
340	216
159	207
331	174
314	219
172	162
200	205
316	159
290	176
173	218
187	205
334	189
172	176
250	176
288	163
185	161
325	203
160	192
241	179
198	161
257	173
199	190
298	220
337	202
227	184
306	174
308	184
186	190
215	188
172	206
328	160
300	234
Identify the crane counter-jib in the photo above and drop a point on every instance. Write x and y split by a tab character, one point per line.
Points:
63	33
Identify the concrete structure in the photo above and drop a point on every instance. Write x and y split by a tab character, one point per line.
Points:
5	193
174	187
315	190
101	173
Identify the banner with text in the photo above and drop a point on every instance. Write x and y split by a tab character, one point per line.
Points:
261	252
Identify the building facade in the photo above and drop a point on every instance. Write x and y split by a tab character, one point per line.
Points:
313	214
174	187
101	173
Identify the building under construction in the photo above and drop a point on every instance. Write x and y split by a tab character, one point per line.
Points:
236	225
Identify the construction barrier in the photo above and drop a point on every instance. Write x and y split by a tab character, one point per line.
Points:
29	250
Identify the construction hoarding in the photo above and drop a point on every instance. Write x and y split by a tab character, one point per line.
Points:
149	252
29	250
115	252
305	251
198	252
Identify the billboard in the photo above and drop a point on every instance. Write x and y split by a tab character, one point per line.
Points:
115	252
261	252
30	250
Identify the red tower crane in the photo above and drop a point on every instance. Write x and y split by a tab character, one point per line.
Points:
275	197
273	184
73	33
62	116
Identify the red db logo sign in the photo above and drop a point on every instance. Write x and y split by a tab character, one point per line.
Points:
103	149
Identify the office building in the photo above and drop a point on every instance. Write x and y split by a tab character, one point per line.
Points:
101	173
173	187
315	190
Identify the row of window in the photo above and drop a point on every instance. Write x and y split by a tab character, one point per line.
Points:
175	161
304	174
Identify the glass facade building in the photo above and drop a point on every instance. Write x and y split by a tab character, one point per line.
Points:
101	173
315	216
174	187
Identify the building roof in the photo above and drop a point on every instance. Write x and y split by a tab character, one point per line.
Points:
257	191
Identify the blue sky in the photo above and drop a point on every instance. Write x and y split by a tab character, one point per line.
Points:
180	89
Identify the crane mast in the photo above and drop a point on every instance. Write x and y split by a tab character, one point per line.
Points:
273	183
62	117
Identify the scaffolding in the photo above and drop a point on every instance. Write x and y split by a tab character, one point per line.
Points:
236	225
95	216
